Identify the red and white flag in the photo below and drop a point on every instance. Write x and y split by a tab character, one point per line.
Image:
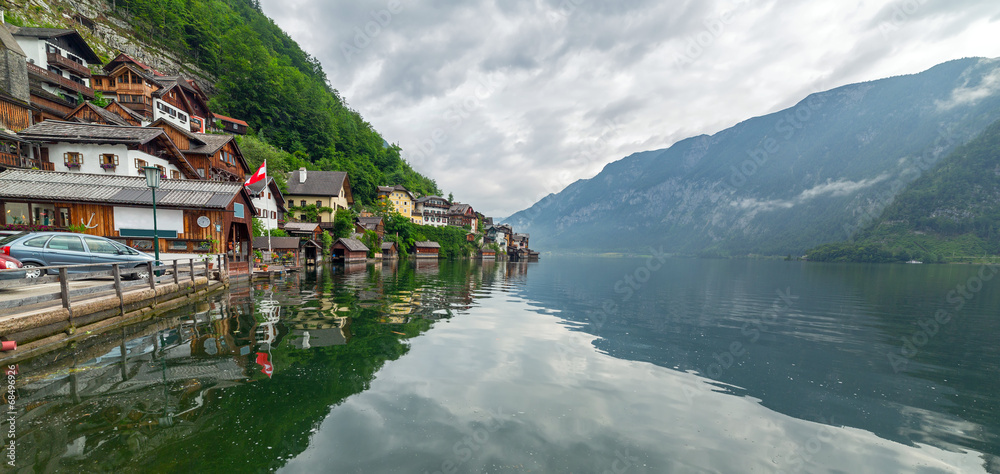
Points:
259	175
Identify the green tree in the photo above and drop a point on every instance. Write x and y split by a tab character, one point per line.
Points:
343	223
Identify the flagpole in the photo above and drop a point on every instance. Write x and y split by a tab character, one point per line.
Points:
267	218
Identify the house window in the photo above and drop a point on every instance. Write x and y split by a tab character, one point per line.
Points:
238	210
136	79
319	203
109	161
72	160
175	174
302	204
183	117
139	165
121	80
178	245
274	215
55	70
163	171
201	172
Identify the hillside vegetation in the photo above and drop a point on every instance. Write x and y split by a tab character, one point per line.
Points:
263	77
953	210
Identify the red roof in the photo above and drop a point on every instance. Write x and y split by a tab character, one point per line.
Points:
230	119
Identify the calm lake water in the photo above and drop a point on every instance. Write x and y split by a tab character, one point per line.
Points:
565	365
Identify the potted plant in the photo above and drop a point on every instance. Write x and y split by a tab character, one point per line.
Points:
257	256
108	166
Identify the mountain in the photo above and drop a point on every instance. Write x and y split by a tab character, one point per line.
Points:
814	173
951	210
251	69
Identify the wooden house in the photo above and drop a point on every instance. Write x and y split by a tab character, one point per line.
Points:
305	230
87	112
462	215
130	82
427	249
486	253
214	157
181	101
390	250
229	125
191	215
102	149
132	117
349	250
374	224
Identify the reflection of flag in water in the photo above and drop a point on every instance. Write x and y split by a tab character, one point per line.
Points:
262	361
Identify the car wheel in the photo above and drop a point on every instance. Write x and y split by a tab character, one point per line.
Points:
31	270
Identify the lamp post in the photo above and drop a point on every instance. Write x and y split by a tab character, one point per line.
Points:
153	182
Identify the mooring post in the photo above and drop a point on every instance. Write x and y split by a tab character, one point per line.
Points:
152	276
117	272
64	292
191	265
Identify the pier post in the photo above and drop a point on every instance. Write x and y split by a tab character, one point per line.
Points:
177	278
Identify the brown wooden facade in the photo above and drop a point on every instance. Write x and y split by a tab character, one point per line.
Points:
117	109
14	115
225	164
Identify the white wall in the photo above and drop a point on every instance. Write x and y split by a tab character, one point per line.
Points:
270	205
91	155
174	118
142	218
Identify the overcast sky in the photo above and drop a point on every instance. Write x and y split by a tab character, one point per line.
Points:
505	101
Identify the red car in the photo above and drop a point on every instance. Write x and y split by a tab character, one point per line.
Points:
8	265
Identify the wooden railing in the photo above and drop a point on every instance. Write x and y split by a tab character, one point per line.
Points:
67	63
52	77
147	275
8	159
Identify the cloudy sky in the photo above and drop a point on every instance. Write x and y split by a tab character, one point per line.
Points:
505	101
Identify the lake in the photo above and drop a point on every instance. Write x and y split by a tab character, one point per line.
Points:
569	365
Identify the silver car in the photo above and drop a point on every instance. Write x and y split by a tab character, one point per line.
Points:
47	249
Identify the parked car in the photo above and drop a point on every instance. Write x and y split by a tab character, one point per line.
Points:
8	265
46	249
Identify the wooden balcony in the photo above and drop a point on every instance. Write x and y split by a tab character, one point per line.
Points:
14	161
67	63
60	81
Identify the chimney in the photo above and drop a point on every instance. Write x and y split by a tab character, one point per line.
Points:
302	175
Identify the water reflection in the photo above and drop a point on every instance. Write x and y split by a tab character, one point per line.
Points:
238	380
525	368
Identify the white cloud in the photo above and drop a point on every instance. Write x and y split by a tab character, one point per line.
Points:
564	68
967	95
832	188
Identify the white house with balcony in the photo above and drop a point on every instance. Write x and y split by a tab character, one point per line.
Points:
58	60
432	211
105	149
165	111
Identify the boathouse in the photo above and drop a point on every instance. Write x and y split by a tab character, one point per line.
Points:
349	250
427	249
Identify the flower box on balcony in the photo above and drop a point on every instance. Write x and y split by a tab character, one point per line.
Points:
73	165
108	166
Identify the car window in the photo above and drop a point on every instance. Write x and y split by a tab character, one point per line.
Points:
36	241
97	245
66	242
125	249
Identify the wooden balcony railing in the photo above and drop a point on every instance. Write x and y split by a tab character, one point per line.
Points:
67	63
60	81
8	159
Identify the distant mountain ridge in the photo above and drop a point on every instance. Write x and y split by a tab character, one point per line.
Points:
782	183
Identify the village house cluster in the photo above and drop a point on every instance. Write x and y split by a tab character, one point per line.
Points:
68	163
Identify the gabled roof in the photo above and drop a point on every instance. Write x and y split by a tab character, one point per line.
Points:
388	245
55	130
309	227
257	189
229	119
354	245
459	208
318	183
123	58
82	48
113	189
108	116
114	104
428	245
428	198
73	132
398	187
370	223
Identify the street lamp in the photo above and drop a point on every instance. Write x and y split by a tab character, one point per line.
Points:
153	182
